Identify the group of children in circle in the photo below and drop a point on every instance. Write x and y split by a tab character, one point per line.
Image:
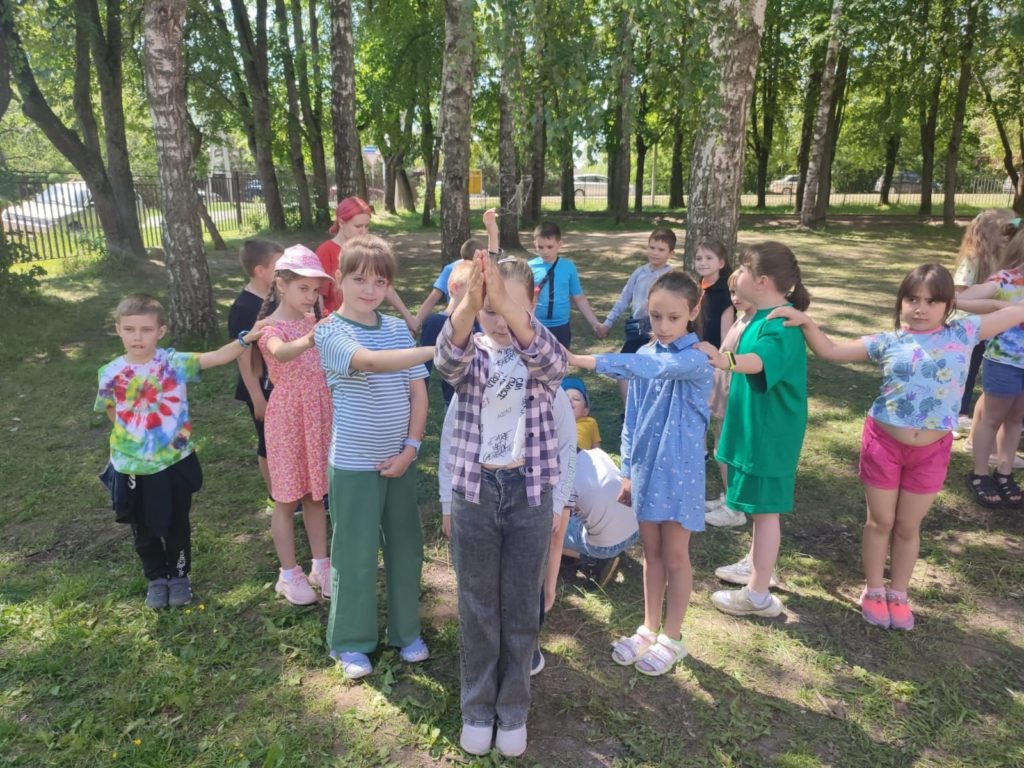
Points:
338	396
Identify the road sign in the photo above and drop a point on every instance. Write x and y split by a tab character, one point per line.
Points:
371	154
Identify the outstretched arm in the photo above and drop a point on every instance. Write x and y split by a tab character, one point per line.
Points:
233	349
390	360
816	339
995	323
491	226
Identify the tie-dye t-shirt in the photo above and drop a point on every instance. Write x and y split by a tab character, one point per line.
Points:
923	374
152	430
1008	346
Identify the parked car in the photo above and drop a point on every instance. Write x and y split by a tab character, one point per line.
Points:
63	204
786	185
593	185
905	181
252	190
1008	187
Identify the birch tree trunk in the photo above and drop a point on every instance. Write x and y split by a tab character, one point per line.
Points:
675	179
456	106
618	179
191	310
808	209
508	157
716	171
348	158
309	98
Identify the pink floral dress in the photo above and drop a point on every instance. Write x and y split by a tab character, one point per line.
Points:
298	420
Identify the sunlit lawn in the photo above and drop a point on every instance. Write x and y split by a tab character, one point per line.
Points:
88	676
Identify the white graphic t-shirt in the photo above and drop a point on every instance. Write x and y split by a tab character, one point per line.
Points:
503	415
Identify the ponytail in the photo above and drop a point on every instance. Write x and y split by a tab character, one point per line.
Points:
799	297
777	262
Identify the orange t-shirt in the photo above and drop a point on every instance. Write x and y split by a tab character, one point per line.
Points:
329	253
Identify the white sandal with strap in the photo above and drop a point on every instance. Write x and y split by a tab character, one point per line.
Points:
626	650
661	656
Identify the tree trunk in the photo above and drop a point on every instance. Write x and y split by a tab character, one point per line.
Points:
892	151
191	310
456	106
392	163
312	115
810	108
835	122
765	84
1017	179
618	183
428	150
808	210
963	87
106	47
81	152
348	158
567	174
252	43
294	128
195	140
930	111
508	156
538	147
406	195
641	162
716	171
675	181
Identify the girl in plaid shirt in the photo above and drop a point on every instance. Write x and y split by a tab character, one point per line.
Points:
505	462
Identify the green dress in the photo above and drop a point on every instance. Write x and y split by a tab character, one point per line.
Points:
765	419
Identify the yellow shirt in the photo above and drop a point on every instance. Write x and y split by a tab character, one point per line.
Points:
587	434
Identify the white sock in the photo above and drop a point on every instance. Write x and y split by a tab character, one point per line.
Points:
322	563
760	599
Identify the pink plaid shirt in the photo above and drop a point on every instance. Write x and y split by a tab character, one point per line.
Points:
467	371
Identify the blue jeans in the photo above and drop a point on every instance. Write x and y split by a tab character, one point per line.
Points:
576	540
500	548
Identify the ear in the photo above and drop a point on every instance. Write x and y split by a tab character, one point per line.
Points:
162	332
695	312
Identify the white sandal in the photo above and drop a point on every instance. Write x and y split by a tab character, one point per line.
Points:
626	650
661	656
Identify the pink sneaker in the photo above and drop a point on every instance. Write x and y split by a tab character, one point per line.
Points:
874	608
320	578
294	587
900	615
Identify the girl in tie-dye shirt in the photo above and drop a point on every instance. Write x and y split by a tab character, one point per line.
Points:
908	431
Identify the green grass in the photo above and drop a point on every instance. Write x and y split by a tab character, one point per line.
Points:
89	677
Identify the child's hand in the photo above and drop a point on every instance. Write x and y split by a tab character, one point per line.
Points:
791	315
573	359
626	494
413	324
446	526
254	333
494	283
473	291
491	219
601	331
715	357
397	464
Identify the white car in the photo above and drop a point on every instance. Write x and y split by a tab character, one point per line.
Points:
593	185
786	185
63	204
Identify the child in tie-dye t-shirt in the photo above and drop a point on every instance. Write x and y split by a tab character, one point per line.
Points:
905	445
153	469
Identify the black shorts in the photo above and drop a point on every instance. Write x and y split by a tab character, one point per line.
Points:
261	441
563	333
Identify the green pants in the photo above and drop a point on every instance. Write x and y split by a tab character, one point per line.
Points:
370	512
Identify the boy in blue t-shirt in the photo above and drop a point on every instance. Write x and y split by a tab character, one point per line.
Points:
556	281
440	289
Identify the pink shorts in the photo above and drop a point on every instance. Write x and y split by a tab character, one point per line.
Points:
887	463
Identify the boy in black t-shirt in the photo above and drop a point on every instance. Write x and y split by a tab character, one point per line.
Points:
258	258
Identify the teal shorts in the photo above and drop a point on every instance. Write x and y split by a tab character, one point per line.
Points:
758	495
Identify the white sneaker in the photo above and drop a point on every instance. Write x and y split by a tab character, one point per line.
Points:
476	739
511	743
294	586
736	602
320	579
739	573
723	517
715	503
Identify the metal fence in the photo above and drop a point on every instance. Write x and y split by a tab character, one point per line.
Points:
54	217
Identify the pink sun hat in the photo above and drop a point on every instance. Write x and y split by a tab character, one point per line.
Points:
302	261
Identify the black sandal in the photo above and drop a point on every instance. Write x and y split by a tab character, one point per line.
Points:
984	490
1008	490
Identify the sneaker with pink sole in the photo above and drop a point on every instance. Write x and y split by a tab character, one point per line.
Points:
900	615
320	578
874	607
294	587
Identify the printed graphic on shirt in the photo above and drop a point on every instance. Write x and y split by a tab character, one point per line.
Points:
502	438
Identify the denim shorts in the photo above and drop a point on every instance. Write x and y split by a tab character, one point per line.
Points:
576	540
1000	379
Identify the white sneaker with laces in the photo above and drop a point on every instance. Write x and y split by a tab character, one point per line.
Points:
723	517
320	579
739	573
736	602
715	503
294	586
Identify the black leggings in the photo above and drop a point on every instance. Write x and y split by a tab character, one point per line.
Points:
972	376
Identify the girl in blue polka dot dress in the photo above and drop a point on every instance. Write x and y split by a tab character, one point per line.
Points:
663	463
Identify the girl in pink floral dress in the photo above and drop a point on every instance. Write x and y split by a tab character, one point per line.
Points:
297	423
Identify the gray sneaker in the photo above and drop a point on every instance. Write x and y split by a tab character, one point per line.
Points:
179	591
157	594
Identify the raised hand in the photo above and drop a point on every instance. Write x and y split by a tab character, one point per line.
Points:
791	315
